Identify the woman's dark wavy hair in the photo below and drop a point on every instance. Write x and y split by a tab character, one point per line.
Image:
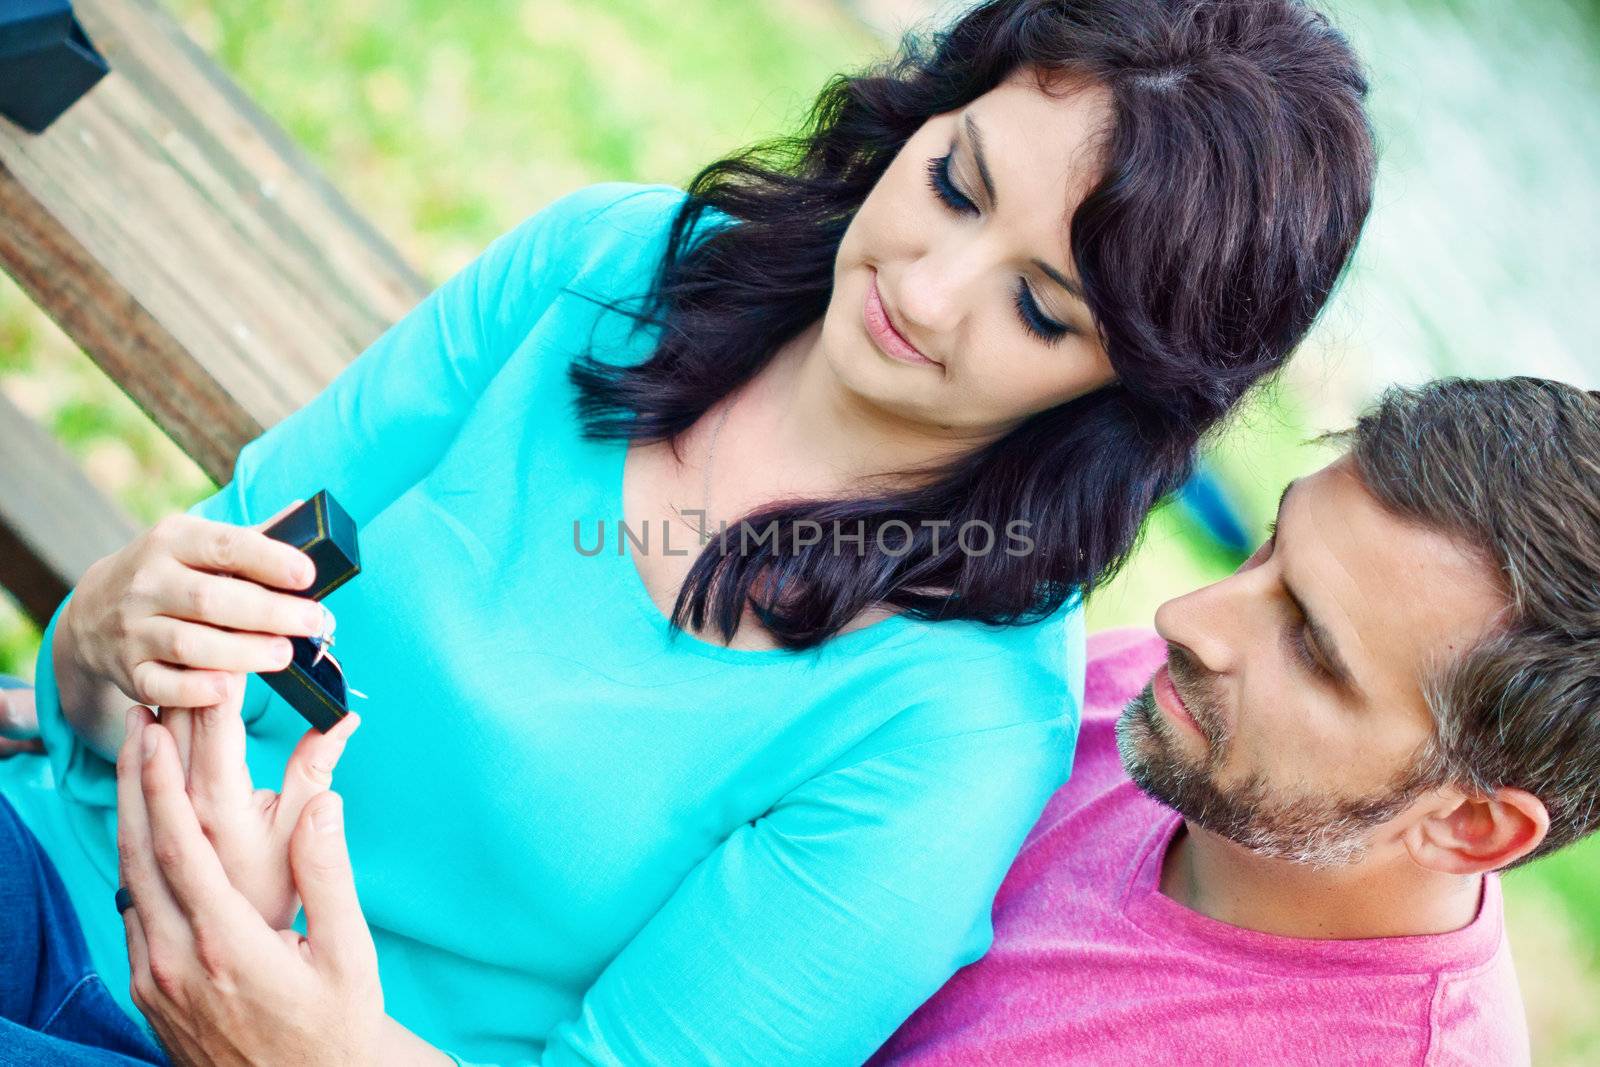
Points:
1237	174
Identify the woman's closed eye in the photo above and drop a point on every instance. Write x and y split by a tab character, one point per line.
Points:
1046	329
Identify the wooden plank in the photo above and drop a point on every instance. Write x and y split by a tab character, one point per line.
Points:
179	237
53	521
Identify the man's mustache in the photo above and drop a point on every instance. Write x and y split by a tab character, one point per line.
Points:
1194	685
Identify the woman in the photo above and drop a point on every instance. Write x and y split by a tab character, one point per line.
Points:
750	802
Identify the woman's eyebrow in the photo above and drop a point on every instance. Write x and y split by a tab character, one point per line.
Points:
988	187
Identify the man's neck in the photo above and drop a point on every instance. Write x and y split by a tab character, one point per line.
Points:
1219	879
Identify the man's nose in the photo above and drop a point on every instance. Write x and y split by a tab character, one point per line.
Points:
1214	623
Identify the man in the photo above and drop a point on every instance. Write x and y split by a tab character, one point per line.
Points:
1283	849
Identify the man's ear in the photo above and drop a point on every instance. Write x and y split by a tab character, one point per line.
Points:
1473	834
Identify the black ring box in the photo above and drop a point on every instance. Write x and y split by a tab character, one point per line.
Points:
324	531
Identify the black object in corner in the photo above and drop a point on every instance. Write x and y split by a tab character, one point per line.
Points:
46	61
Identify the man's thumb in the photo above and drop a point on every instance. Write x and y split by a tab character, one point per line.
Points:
320	862
19	721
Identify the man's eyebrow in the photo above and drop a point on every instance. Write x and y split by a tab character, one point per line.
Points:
988	186
1326	647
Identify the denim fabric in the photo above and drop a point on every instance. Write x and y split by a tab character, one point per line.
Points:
54	1010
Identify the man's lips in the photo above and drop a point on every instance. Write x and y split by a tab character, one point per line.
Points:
1170	702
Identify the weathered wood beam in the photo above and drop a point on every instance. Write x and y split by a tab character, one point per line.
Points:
53	521
179	237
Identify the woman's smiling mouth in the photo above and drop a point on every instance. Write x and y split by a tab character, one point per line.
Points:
883	332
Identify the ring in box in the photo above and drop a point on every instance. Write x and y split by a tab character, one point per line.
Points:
313	683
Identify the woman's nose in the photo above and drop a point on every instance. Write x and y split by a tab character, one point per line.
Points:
939	288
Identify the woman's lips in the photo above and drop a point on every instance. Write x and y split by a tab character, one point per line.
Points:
883	332
1170	702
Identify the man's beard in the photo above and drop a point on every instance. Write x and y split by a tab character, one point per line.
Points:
1314	829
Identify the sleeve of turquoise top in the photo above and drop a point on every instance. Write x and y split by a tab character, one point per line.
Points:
376	429
811	933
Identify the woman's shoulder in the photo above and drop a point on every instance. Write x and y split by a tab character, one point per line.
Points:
604	221
638	209
605	240
963	676
1051	648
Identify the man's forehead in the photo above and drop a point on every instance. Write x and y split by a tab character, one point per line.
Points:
1395	595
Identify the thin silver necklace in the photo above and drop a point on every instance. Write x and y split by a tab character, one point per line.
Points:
705	486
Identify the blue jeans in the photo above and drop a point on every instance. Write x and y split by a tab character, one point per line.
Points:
54	1009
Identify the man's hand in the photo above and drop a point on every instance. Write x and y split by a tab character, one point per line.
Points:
19	723
250	829
217	983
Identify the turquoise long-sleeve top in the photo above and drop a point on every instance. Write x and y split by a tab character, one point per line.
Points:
579	836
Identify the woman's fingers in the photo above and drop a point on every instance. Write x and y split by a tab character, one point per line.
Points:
191	644
159	685
218	600
19	723
219	780
310	771
281	512
180	724
237	550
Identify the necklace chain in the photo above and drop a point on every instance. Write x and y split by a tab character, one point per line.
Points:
711	452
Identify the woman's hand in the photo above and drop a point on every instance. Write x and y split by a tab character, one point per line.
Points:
218	984
169	618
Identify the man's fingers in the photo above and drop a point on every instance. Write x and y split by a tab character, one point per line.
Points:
188	862
202	646
141	983
320	860
310	769
161	918
19	718
9	748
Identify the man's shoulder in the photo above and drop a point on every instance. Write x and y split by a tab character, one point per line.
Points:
1477	1011
1120	663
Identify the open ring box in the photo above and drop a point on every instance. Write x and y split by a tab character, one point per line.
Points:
315	686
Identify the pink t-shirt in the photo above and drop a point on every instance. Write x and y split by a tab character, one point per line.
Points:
1091	964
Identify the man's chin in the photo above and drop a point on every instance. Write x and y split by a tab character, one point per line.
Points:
1152	756
1150	747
